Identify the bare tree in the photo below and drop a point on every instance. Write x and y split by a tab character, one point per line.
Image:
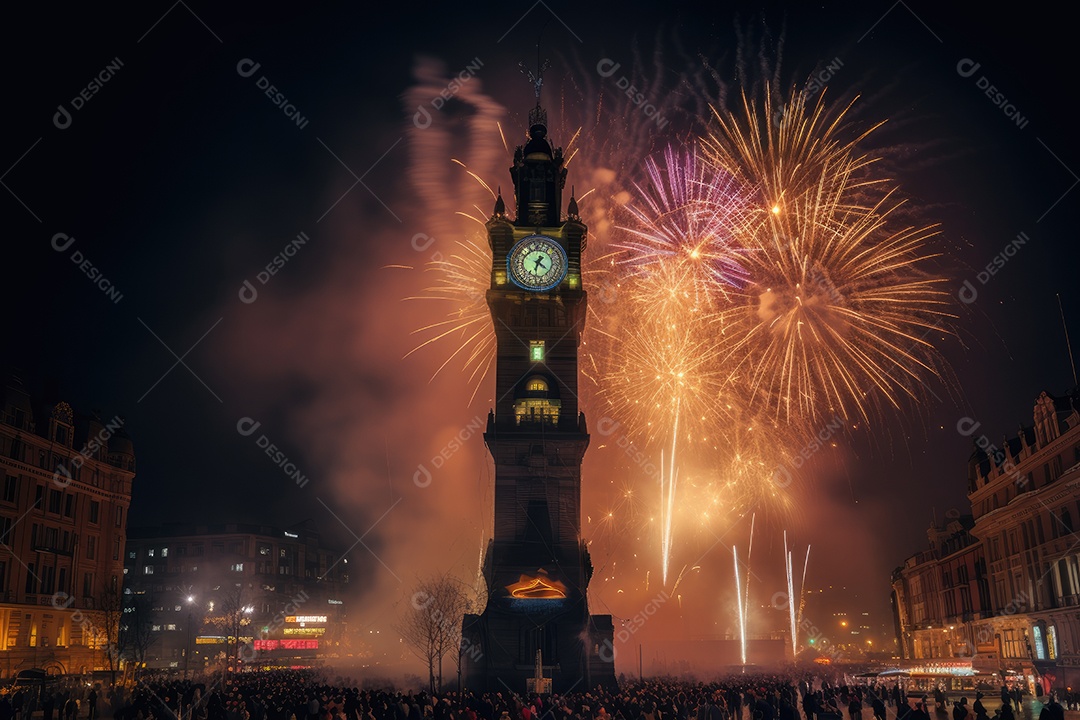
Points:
431	623
137	629
112	609
234	613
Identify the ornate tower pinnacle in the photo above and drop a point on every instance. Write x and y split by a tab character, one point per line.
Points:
537	116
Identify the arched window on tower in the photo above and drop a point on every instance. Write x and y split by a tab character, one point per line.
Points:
536	404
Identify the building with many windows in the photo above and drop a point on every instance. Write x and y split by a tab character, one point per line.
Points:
1001	587
66	483
198	594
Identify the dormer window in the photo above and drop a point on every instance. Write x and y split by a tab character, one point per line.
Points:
62	423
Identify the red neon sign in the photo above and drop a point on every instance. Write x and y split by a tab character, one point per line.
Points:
286	645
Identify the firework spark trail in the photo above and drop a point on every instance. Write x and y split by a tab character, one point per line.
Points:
674	263
687	219
802	588
840	299
674	260
751	284
739	604
680	577
791	598
460	286
749	554
810	152
667	505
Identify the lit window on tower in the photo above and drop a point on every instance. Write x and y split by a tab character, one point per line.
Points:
536	406
537	410
536	350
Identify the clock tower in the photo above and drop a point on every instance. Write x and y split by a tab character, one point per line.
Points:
537	566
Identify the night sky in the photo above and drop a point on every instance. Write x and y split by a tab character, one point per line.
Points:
179	180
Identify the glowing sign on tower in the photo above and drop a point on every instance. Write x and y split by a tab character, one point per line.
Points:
536	588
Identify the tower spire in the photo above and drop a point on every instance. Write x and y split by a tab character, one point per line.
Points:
537	116
536	78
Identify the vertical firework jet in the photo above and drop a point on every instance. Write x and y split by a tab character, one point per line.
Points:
749	556
791	599
674	260
802	589
739	604
742	290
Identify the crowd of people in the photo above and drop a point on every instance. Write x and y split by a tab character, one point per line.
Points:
307	695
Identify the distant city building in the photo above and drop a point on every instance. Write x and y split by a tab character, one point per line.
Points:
999	589
66	487
196	595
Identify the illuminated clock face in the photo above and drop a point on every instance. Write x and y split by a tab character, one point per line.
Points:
537	263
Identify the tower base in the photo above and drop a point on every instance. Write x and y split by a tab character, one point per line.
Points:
574	648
